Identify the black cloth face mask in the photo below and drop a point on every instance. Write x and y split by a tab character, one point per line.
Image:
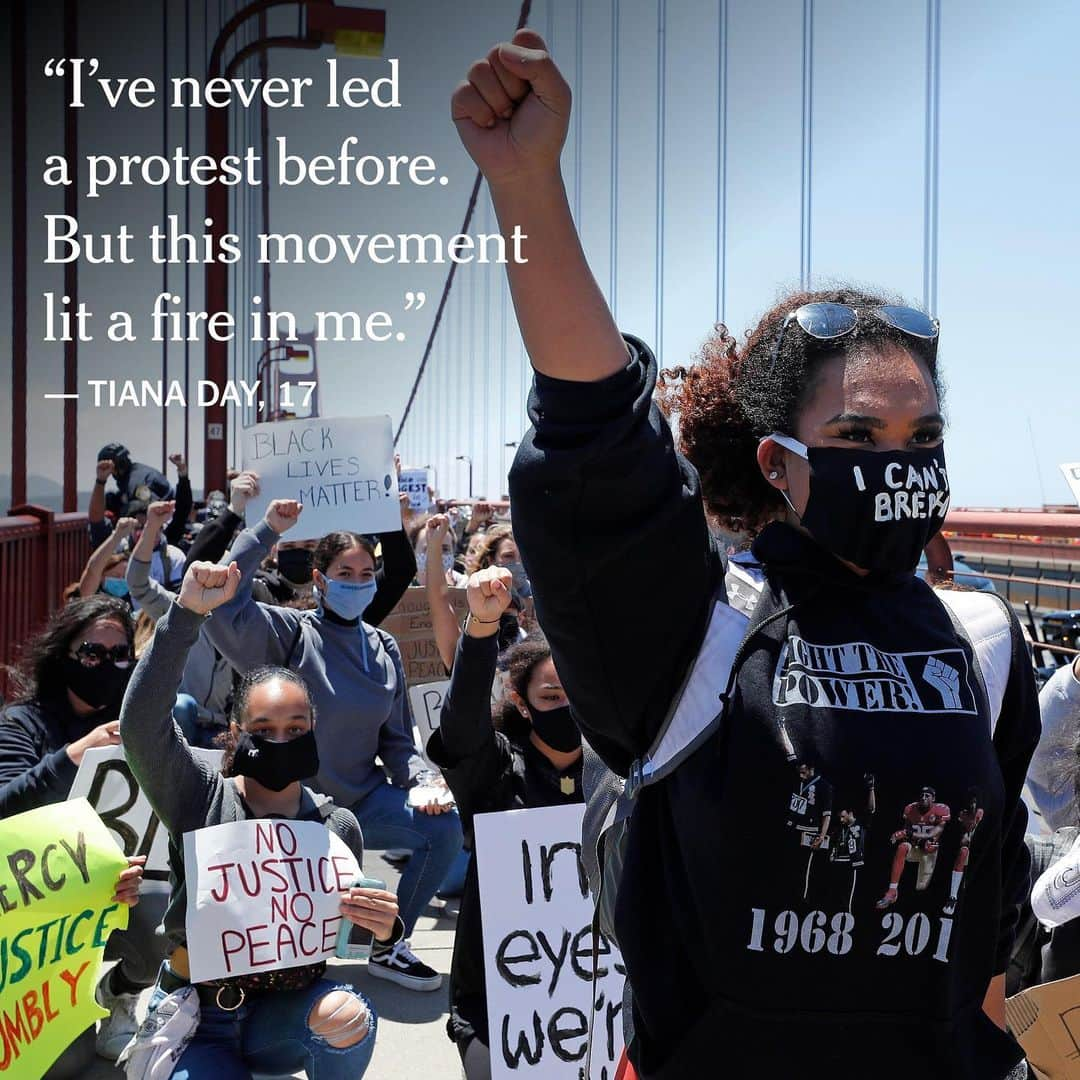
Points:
101	687
295	565
275	765
556	728
876	509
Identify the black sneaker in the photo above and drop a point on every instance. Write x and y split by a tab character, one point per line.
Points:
401	965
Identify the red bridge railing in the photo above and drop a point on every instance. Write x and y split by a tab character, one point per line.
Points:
40	553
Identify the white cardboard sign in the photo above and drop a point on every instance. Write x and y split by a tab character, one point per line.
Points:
263	894
426	701
342	470
104	779
537	919
1071	471
414	483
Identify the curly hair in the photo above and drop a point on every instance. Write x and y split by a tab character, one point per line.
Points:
485	555
734	396
41	668
519	662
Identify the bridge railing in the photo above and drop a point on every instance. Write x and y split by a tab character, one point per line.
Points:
40	553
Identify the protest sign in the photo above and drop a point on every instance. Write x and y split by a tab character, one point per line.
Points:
537	919
58	872
1071	472
414	483
104	779
342	470
263	894
426	700
410	624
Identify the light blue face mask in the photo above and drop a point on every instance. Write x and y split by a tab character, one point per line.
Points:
347	599
115	586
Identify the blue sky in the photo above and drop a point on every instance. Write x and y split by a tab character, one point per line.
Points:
740	212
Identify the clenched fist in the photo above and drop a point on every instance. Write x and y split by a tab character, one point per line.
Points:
489	594
207	586
513	110
282	514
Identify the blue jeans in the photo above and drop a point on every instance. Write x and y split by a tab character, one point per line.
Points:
269	1033
185	712
387	821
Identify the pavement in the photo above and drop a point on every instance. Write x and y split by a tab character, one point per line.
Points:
411	1042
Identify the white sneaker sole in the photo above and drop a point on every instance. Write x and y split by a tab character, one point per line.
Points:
410	982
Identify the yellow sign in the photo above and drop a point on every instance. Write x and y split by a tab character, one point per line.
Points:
58	872
359	43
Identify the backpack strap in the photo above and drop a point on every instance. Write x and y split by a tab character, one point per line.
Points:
984	620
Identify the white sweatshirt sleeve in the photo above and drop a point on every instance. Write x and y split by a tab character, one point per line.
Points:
1056	896
1050	775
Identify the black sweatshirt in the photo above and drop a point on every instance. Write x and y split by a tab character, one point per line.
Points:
748	948
486	771
35	769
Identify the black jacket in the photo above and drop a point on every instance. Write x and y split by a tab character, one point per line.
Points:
487	771
771	952
35	769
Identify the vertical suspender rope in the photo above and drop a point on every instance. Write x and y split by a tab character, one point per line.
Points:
807	140
930	167
164	225
613	270
523	16
721	166
661	78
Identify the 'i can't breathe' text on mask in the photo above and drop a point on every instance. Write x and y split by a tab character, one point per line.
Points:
876	509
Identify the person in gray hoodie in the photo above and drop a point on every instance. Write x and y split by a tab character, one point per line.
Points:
283	1018
357	682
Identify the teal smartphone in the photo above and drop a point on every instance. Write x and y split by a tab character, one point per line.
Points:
355	942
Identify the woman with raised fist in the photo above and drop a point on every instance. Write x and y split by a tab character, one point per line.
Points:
275	1021
356	679
527	755
750	953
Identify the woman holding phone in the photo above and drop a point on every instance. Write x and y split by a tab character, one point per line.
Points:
821	435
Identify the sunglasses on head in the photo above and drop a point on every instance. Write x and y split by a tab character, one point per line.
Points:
825	321
92	653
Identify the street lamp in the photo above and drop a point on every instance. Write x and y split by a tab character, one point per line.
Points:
354	31
465	457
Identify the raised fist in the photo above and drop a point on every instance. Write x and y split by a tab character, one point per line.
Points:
244	486
513	110
489	593
105	469
438	525
283	514
125	527
181	465
207	586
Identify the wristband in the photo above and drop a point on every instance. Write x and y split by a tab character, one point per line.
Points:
471	618
100	483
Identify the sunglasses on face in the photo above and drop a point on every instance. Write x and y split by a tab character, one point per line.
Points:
92	653
825	321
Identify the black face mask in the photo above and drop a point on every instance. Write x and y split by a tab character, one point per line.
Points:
101	687
275	765
295	565
556	728
877	509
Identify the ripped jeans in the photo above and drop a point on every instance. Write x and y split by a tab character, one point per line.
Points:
269	1033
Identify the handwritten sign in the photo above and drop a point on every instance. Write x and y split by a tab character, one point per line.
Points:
410	624
104	779
342	470
58	872
1071	472
537	919
414	483
263	895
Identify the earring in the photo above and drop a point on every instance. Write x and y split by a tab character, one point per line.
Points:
773	475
